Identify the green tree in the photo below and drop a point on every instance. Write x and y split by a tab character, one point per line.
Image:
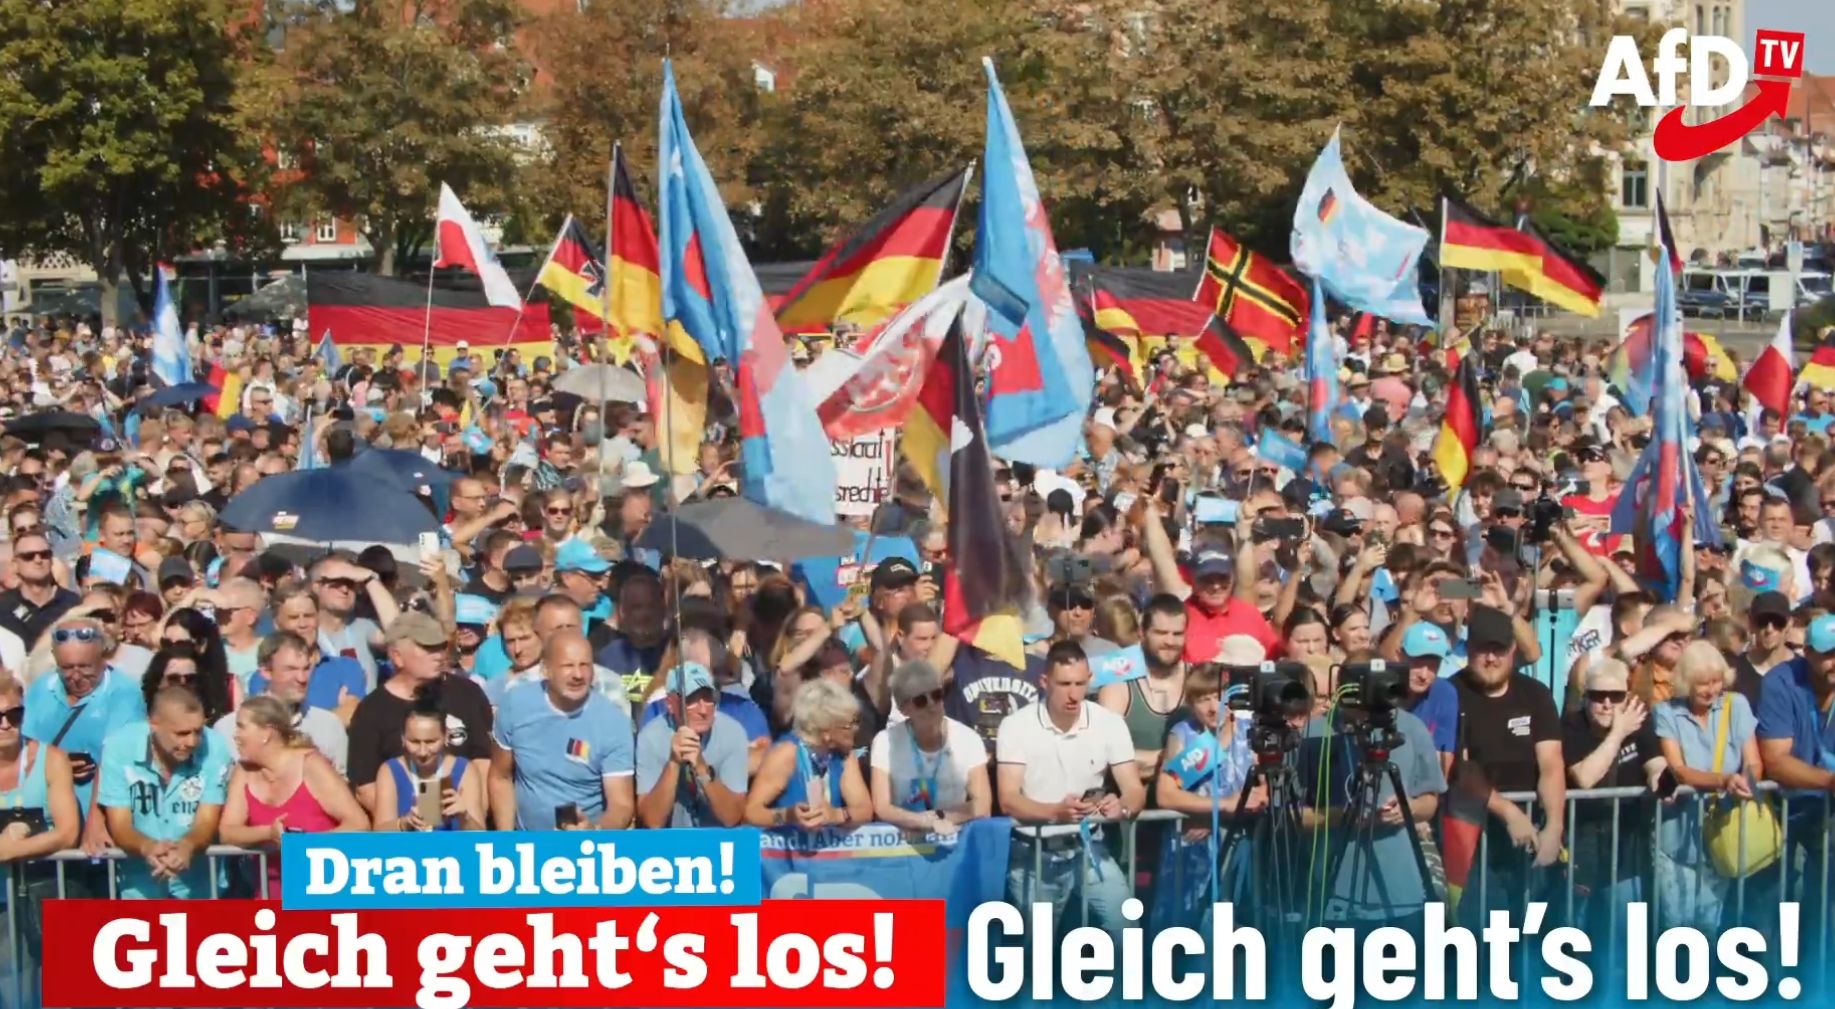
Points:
122	144
372	105
602	83
887	93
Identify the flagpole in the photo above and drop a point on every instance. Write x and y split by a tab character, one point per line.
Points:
968	176
1447	300
427	320
605	285
510	337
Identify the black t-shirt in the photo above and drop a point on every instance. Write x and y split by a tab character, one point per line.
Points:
375	727
19	615
1746	680
1593	837
1500	733
480	588
984	690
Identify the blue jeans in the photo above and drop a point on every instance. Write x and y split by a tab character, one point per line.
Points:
1062	874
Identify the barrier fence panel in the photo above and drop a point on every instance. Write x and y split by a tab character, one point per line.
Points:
1674	874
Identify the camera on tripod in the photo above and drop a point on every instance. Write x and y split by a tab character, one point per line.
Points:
1276	690
1376	687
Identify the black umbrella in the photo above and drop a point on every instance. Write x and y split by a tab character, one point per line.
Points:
36	426
741	530
409	470
340	504
182	394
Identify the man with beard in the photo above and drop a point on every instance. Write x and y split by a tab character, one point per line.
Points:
1431	597
1148	703
1512	736
162	790
1768	617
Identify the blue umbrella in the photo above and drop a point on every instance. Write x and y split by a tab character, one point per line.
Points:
182	394
408	470
342	503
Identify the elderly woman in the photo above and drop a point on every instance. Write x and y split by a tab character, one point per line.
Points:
809	780
929	771
1701	711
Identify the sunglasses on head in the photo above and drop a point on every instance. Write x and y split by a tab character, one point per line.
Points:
1608	696
922	701
65	635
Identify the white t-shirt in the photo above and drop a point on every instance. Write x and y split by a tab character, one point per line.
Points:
12	654
1063	764
316	724
895	752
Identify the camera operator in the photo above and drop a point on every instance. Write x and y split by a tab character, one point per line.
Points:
1557	614
1511	735
1378	881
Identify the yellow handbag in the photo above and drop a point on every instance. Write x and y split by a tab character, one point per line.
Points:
1727	827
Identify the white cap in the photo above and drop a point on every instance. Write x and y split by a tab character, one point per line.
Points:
638	475
464	346
1240	650
1105	417
1196	431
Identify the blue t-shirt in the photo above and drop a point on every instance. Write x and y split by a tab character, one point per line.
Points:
1554	629
1438	709
1788	710
116	701
163	808
330	678
734	704
562	757
1818	424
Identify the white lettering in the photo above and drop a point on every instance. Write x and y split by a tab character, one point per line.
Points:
1701	52
1622	74
328	871
139	970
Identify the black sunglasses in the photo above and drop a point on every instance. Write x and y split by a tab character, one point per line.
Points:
1612	696
14	716
922	701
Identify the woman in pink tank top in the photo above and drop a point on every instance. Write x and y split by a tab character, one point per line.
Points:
281	785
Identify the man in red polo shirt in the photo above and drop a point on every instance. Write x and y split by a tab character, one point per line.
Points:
1216	604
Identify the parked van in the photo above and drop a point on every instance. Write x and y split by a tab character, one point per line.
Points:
1706	293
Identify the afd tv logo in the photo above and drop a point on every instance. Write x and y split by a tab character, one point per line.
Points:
1776	54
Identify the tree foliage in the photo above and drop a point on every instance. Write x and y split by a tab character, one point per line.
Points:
121	132
378	102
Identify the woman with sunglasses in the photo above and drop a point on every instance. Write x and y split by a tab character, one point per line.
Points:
187	632
34	777
929	771
1611	743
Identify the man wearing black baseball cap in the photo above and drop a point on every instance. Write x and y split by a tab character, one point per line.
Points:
1767	619
1513	735
1217	603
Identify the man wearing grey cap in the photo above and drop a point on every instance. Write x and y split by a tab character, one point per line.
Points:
692	763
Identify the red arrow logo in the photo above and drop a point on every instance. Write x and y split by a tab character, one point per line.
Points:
1676	140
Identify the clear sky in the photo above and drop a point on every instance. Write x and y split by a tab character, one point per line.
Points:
1814	18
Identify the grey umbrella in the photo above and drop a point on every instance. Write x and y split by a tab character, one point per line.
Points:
602	383
740	530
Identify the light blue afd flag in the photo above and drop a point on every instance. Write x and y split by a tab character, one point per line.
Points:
618	868
1129	663
1281	450
878	861
1364	257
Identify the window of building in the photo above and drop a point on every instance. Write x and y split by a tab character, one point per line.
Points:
1634	185
289	231
326	231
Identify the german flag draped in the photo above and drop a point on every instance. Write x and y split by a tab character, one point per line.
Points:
891	261
1819	373
574	273
1254	297
1564	280
1462	824
1227	351
983	586
1459	430
1136	303
676	378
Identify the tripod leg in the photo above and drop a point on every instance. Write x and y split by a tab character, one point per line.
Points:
1414	836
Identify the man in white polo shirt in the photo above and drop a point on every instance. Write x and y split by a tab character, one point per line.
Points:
1057	761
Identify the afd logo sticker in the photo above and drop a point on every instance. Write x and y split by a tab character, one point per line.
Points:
1776	54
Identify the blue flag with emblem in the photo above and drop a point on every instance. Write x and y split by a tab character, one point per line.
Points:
1039	376
171	356
1365	258
328	354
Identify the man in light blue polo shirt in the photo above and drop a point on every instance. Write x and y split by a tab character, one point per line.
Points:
162	788
86	701
691	763
564	753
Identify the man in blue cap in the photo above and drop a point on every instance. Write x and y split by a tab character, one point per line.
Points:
1433	700
579	573
691	764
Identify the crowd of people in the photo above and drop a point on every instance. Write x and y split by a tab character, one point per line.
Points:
547	672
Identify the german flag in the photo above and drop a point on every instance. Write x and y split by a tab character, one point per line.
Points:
226	402
1562	280
1110	348
575	274
1254	297
1459	433
1462	824
1819	373
891	261
946	443
1227	351
1137	303
676	378
1471	241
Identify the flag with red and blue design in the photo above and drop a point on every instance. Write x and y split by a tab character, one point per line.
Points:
1040	379
710	290
1321	371
1665	480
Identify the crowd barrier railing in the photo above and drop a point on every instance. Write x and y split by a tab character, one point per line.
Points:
1800	873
